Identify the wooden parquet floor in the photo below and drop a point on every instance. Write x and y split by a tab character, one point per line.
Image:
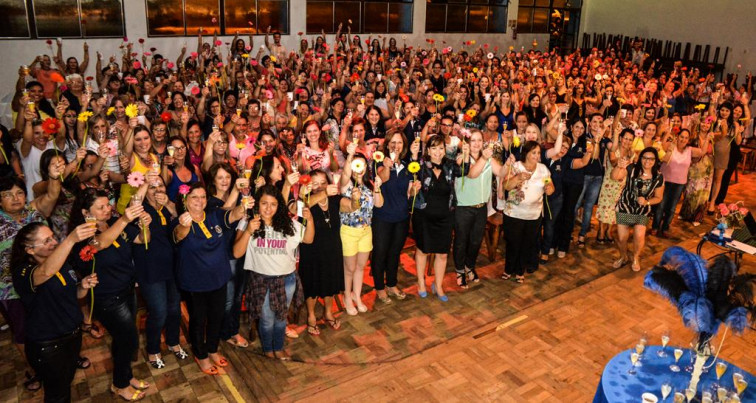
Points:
545	340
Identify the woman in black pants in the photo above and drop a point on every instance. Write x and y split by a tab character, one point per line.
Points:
204	269
526	183
49	291
391	221
114	300
577	157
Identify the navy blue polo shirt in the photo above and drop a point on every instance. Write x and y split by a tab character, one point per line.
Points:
156	263
52	308
114	265
203	258
395	203
596	166
576	152
557	169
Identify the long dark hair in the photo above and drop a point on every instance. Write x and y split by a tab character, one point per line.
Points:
281	221
638	166
19	259
84	201
731	118
267	163
187	158
70	182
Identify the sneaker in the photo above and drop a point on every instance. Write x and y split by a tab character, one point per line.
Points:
561	254
551	252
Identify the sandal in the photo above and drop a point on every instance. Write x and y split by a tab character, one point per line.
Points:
472	275
221	362
137	395
284	356
462	280
157	363
180	353
92	329
313	329
32	382
506	276
238	341
619	263
398	295
581	243
291	333
519	279
636	266
83	363
335	324
142	385
213	370
385	299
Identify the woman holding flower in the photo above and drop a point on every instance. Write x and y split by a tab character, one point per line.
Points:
154	272
317	152
114	302
49	290
180	169
138	150
359	197
390	223
433	217
203	270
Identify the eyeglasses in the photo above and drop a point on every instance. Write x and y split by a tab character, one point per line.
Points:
180	148
13	195
446	125
47	242
648	158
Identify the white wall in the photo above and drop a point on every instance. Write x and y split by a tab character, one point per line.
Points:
18	52
700	22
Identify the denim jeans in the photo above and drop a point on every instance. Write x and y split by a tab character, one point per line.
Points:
666	209
272	330
469	228
163	302
234	292
588	199
549	221
388	241
54	362
117	316
205	318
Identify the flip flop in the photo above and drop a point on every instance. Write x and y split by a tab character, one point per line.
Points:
335	324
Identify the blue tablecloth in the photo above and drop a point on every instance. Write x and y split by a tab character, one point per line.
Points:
617	386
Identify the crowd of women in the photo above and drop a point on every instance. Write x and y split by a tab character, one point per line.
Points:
273	177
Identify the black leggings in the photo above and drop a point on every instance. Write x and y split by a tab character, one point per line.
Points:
55	363
205	317
469	228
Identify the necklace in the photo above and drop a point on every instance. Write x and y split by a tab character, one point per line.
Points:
326	213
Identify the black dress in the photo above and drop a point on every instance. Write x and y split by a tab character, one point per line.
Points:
432	225
321	263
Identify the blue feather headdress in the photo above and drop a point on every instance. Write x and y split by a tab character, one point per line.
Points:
705	296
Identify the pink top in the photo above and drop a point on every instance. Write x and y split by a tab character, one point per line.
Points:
676	169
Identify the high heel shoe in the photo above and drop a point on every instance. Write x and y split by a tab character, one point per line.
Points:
421	294
442	298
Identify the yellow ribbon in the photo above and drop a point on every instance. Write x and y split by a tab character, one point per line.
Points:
162	217
60	277
204	229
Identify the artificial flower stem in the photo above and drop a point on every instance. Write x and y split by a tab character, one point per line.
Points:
91	293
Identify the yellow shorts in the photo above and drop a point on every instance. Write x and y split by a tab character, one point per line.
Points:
355	240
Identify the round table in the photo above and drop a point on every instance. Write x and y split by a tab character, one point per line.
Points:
617	385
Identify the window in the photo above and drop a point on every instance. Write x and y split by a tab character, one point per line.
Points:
478	16
61	18
392	16
533	15
226	17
